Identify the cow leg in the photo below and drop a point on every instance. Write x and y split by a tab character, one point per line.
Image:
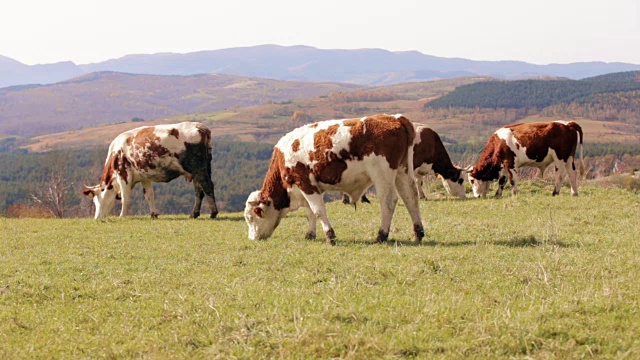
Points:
419	183
205	184
560	169
125	196
319	210
513	180
573	176
501	182
406	187
195	212
147	189
311	230
388	196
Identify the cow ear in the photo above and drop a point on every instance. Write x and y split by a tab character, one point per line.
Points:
88	193
254	203
258	211
439	176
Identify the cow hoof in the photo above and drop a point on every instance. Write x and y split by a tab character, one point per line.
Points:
154	215
554	193
194	215
214	214
310	235
331	237
418	230
382	237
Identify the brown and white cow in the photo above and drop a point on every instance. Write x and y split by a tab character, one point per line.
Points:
528	145
151	154
347	155
430	157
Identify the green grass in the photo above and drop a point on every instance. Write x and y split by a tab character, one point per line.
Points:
520	277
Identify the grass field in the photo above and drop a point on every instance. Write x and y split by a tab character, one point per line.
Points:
519	277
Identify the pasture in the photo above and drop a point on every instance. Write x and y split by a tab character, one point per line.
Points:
519	277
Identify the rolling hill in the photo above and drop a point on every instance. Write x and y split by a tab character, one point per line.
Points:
109	97
269	121
305	63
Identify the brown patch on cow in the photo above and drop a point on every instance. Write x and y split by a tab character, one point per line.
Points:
296	145
382	135
539	137
274	186
146	149
314	125
351	122
205	134
174	132
431	150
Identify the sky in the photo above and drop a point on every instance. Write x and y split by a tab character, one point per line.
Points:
535	31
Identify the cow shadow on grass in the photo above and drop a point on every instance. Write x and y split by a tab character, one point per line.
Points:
514	242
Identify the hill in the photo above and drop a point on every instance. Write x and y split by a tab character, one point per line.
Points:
268	122
536	93
360	66
109	97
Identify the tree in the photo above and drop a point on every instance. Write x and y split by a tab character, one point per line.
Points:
57	187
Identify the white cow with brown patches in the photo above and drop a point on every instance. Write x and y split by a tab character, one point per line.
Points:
151	154
346	155
528	145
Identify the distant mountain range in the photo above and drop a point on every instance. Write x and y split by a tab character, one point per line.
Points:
305	63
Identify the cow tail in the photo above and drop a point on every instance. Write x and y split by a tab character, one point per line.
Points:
411	134
580	137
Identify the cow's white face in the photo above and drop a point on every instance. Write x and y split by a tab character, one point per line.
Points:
262	218
103	198
480	188
454	188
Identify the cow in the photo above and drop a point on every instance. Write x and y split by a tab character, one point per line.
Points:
151	154
431	158
536	145
347	155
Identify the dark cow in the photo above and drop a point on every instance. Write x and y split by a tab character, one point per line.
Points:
528	145
431	158
151	154
347	155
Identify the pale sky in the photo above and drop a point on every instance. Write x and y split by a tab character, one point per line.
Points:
535	31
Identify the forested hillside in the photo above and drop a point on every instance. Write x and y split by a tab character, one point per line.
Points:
53	180
536	94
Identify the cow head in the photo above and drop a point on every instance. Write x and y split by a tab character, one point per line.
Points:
261	216
104	198
454	183
480	188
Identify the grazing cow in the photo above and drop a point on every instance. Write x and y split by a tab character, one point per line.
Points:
431	158
347	155
151	154
528	145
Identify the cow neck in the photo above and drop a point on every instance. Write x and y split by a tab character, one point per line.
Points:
273	186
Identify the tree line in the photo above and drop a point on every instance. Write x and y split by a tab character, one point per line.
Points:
535	94
53	181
